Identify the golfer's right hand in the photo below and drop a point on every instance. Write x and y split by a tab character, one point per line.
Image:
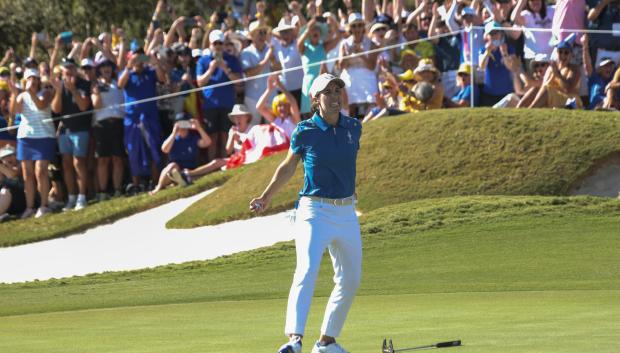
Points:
259	205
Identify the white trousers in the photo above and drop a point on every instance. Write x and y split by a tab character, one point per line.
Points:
320	226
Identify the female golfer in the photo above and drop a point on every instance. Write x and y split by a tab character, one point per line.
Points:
325	217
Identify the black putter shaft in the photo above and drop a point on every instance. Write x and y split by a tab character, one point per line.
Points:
436	345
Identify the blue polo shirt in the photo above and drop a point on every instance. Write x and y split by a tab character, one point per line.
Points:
329	154
223	96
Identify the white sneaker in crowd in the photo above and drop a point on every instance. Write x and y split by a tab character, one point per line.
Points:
330	348
80	204
42	211
293	346
102	196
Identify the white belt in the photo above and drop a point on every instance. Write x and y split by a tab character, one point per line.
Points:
347	201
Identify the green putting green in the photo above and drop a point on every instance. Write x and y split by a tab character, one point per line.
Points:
503	274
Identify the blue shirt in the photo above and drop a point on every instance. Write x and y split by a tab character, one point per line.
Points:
596	86
185	150
497	77
329	154
465	94
219	97
141	86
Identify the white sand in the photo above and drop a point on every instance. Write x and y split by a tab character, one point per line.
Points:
137	242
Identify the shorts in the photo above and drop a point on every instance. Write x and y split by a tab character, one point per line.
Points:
74	143
216	120
109	135
36	149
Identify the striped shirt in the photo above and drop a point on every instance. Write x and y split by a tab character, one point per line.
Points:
32	124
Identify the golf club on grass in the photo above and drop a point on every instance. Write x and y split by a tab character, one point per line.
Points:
389	347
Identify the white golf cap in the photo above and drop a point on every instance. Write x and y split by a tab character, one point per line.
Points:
604	61
355	17
87	62
31	73
321	82
541	57
216	35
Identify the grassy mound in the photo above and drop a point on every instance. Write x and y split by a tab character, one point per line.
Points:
443	153
62	224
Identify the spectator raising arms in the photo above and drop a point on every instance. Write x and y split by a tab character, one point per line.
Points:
257	59
313	47
284	111
561	82
142	129
36	139
358	71
70	102
495	60
215	68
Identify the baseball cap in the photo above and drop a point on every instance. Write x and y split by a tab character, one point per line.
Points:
31	73
492	26
30	62
541	58
322	81
283	25
87	62
604	61
216	35
67	61
468	11
355	17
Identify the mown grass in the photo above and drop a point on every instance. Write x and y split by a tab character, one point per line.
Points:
507	322
504	274
62	224
462	244
443	153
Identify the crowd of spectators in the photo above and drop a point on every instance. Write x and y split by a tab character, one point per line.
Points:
256	71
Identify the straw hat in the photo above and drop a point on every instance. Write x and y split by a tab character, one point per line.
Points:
377	26
258	25
7	151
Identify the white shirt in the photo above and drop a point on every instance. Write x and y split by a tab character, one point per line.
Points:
536	42
289	57
111	99
32	123
250	57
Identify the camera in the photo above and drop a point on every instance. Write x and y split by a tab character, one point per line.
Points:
66	37
190	22
185	124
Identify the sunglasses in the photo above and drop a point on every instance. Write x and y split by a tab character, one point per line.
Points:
539	65
262	32
217	42
229	44
425	18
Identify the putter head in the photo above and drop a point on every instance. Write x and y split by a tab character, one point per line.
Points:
387	347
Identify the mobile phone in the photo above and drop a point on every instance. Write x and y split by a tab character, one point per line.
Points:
185	124
42	37
66	37
190	22
320	19
156	24
143	58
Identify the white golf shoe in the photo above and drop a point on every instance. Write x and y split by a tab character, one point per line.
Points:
293	346
330	348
